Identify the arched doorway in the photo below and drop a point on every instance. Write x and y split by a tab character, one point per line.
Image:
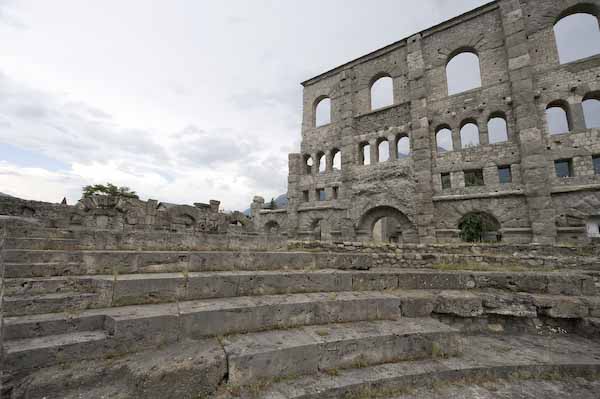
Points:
271	227
316	230
479	227
386	224
386	229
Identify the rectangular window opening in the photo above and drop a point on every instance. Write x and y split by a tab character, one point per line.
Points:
334	192
596	162
320	194
305	196
564	167
474	178
504	174
446	181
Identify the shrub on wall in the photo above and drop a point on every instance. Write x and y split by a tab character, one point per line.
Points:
474	226
109	189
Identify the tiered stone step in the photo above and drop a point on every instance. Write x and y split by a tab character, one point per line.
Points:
195	369
52	349
51	303
31	263
134	327
40	243
484	358
310	349
57	294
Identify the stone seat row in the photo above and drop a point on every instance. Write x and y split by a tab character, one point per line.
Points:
73	293
35	339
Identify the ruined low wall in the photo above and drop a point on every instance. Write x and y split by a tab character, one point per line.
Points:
151	240
498	255
2	242
126	214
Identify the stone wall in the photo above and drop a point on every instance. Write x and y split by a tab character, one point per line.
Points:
479	256
2	243
101	212
520	75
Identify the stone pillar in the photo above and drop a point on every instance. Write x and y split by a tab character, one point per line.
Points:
328	162
214	205
534	165
484	138
374	148
257	204
151	206
393	148
297	169
421	141
577	117
490	175
315	167
456	142
349	147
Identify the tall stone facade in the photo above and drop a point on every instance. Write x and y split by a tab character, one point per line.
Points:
521	75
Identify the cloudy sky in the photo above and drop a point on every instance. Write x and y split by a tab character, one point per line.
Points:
181	100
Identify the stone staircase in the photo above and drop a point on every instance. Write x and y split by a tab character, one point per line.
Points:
130	323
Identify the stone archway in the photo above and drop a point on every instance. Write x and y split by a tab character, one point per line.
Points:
271	227
316	229
479	227
386	224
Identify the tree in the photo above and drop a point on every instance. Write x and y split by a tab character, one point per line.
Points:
109	189
273	204
474	226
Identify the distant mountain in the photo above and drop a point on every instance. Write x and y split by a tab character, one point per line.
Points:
281	202
6	195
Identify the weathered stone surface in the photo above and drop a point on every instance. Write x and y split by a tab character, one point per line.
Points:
307	350
458	303
112	276
514	389
483	359
190	369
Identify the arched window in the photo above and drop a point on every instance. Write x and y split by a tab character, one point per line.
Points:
308	164
577	35
403	147
469	135
322	162
383	150
336	163
463	73
323	112
557	117
364	154
443	139
591	110
382	92
497	129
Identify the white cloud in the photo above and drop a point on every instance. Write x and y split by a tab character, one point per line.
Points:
182	101
186	166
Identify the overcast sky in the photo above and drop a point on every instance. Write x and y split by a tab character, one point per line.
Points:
183	101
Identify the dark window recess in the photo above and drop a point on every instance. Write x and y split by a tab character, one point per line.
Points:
305	196
596	162
474	178
504	174
334	192
446	181
564	168
320	194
